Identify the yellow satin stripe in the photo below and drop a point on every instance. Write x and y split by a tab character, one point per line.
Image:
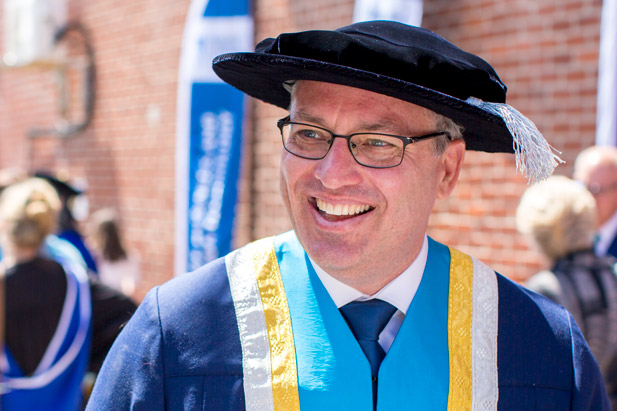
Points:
460	312
278	323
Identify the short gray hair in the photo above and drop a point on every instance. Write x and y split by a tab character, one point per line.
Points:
455	131
559	213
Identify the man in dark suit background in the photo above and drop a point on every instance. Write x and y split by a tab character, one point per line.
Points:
596	167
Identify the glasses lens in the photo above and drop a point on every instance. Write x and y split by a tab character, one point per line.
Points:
375	150
306	141
597	189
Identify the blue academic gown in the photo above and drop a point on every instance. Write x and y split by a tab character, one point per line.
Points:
612	249
56	383
182	350
77	241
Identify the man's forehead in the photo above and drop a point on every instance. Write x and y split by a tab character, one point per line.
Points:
599	160
603	170
312	100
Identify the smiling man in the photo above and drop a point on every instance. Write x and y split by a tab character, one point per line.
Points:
348	218
357	308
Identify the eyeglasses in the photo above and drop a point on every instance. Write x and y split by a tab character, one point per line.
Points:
375	150
597	189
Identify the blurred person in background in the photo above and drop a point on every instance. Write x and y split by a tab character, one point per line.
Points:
68	226
596	167
54	247
117	267
47	309
560	215
110	308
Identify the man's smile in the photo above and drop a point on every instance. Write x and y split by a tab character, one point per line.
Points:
341	209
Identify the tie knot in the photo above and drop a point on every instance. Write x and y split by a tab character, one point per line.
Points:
367	319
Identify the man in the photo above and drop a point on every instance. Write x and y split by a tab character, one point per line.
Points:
596	167
357	309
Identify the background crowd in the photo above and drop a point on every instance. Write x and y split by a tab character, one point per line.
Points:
64	304
574	223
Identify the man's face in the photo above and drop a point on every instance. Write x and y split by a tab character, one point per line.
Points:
601	179
362	225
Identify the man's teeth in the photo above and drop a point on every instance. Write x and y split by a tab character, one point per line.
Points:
341	209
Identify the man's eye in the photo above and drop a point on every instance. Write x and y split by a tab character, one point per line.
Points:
310	134
378	143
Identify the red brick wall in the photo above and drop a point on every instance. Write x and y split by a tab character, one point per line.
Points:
127	153
545	51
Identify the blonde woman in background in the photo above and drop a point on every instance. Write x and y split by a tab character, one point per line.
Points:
48	306
560	215
117	267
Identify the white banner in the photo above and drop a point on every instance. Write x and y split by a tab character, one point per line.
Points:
606	122
403	11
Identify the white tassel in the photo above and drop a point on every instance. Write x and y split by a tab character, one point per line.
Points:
535	158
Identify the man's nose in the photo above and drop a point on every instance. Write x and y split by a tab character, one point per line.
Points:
338	168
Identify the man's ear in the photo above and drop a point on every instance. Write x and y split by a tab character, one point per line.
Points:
451	161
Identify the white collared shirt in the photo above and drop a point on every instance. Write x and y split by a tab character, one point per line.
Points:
606	234
399	292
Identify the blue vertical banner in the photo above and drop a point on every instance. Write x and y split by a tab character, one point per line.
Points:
209	132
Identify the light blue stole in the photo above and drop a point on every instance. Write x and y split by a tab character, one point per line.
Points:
334	374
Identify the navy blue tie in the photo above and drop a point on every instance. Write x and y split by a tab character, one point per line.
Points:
367	320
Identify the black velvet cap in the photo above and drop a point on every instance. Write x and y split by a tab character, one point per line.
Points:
401	61
63	188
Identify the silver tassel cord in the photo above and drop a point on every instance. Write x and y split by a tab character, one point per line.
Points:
535	158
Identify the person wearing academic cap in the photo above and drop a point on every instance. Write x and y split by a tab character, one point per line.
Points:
357	308
59	322
53	247
46	313
67	225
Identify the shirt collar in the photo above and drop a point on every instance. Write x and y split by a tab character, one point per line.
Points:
606	233
399	292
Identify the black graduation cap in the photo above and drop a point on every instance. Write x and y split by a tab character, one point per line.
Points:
406	62
62	186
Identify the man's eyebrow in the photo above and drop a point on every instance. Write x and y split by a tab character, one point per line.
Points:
302	115
380	125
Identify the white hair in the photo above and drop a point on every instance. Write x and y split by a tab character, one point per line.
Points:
559	213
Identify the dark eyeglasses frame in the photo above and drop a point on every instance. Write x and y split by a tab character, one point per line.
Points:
406	140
